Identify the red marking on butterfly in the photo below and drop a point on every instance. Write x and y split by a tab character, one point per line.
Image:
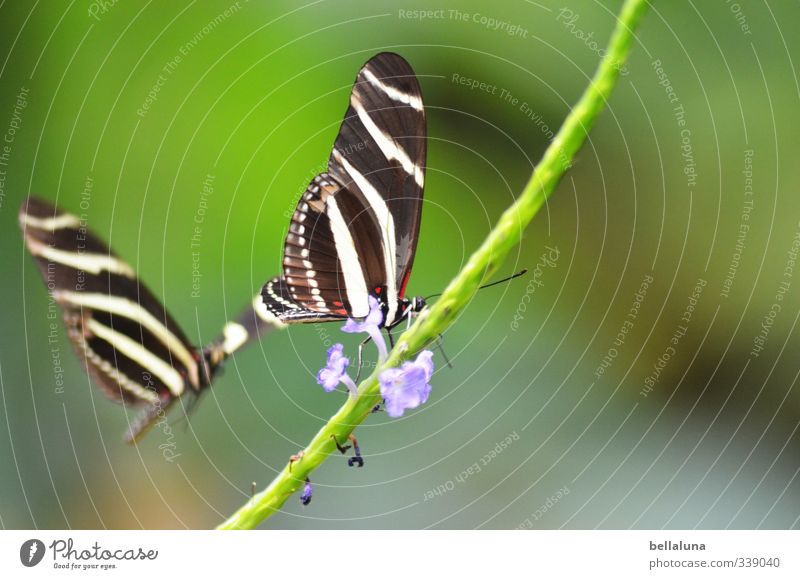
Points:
404	284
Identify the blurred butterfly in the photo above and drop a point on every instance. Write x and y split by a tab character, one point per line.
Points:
132	347
354	232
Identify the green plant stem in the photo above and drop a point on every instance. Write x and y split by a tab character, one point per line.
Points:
482	264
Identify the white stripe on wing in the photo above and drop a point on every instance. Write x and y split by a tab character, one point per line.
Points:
264	314
142	356
63	221
133	311
390	148
235	337
393	93
92	263
104	366
355	284
386	221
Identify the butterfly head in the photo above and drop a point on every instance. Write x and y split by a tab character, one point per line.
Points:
418	304
409	307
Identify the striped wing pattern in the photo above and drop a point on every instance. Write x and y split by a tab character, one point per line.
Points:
355	229
131	346
278	302
353	235
381	151
333	252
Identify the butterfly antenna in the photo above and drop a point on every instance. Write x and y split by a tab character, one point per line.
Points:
504	280
499	281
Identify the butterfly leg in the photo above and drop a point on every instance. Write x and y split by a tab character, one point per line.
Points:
295	458
439	341
343	448
356	460
360	354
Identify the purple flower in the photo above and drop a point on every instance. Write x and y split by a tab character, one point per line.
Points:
408	386
305	496
335	371
374	318
371	325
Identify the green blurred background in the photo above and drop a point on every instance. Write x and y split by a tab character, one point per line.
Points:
255	102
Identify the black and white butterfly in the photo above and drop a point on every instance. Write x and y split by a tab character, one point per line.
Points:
354	232
132	347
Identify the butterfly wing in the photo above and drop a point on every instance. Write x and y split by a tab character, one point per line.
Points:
380	155
333	255
355	230
132	347
278	302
